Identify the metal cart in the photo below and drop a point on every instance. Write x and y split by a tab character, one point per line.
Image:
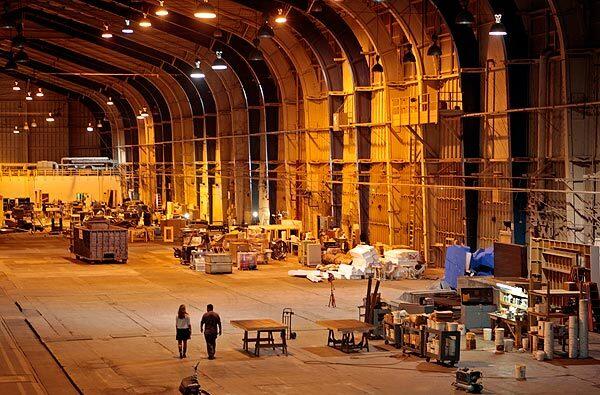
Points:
448	352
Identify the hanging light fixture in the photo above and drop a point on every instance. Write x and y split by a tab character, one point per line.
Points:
21	56
464	16
205	11
145	22
409	56
110	102
377	67
16	87
99	124
144	113
29	97
434	49
256	54
498	28
317	6
140	116
11	65
49	118
90	128
106	33
265	31
219	63
18	41
33	124
161	10
281	17
40	93
127	29
16	130
218	33
197	72
25	126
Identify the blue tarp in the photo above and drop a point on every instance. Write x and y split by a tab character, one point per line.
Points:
455	265
482	262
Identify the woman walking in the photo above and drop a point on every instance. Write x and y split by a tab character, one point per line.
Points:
184	330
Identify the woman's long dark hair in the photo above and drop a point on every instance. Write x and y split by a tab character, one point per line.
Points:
181	313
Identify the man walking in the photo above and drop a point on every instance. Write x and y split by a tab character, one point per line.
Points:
211	327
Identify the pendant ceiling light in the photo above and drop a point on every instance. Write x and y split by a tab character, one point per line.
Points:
21	57
256	54
464	17
29	97
99	124
127	29
409	56
317	6
18	41
281	17
110	102
11	65
377	67
145	22
140	116
16	87
40	93
25	126
33	124
16	130
90	128
205	11
106	33
145	113
197	72
49	118
219	63
161	10
265	31
434	49
498	28
218	33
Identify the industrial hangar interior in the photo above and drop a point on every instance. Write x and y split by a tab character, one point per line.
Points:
298	196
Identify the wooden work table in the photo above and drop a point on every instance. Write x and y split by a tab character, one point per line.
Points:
262	326
347	328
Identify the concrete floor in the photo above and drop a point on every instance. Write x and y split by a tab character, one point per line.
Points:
111	329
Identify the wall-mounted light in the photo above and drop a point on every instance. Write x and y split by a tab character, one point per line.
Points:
161	10
205	11
219	63
127	29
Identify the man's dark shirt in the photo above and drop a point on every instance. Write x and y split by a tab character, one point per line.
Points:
212	322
